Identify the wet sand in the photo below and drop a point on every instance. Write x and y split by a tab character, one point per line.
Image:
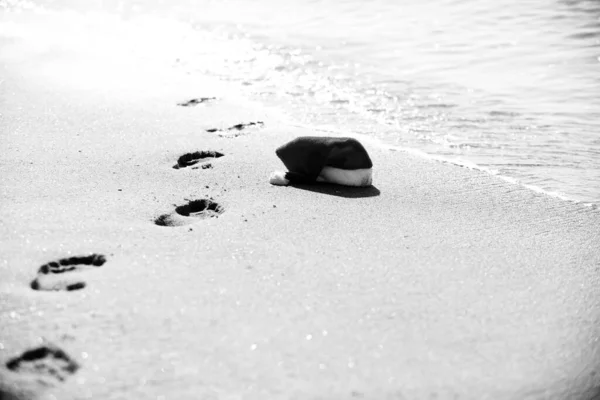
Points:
437	282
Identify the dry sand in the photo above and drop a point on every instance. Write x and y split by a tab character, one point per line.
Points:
438	282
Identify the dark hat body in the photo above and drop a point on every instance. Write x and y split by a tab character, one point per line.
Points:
308	155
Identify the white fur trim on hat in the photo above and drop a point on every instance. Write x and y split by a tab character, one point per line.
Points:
348	177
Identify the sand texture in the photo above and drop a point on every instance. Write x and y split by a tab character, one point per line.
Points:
437	282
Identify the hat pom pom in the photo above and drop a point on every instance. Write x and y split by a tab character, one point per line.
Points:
278	178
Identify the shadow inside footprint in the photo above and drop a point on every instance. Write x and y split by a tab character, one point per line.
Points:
204	166
236	129
190	159
49	361
187	213
200	209
195	102
62	274
239	127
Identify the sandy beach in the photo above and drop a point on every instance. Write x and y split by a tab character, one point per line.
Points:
436	282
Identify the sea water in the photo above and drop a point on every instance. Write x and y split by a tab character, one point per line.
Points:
512	86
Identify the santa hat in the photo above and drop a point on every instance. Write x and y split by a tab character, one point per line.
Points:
311	159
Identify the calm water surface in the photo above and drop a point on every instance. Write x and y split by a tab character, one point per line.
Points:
512	86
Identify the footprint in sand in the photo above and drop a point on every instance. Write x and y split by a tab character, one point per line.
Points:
66	274
48	361
27	376
236	130
189	159
195	102
190	213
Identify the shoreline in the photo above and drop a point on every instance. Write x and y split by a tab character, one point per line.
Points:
438	281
